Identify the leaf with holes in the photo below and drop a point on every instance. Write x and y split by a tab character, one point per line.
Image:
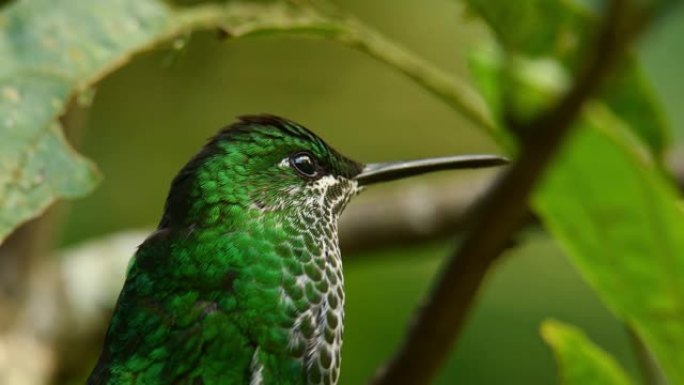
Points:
49	54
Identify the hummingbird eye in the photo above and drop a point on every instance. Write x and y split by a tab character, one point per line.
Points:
305	164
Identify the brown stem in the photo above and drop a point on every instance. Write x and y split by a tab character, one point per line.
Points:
409	214
501	212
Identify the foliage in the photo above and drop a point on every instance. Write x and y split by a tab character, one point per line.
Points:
607	199
550	45
47	64
579	360
621	224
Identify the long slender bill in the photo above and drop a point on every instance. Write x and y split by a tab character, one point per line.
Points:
382	172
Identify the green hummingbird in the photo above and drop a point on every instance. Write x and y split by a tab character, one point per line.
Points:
241	283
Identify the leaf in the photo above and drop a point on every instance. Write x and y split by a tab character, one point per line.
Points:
537	84
36	163
50	53
580	361
562	31
630	96
533	27
620	222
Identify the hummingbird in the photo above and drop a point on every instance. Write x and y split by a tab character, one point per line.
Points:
241	283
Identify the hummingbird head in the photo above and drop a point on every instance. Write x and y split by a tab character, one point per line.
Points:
264	163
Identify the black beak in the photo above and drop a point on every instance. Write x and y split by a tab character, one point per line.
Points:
383	172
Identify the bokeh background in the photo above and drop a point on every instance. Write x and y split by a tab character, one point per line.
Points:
150	117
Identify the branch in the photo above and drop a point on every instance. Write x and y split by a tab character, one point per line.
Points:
502	211
409	214
458	95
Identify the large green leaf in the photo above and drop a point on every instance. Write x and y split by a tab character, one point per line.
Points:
561	31
50	52
621	224
580	361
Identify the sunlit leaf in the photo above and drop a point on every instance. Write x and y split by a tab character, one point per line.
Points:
621	224
580	361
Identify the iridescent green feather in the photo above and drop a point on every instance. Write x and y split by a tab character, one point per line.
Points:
242	282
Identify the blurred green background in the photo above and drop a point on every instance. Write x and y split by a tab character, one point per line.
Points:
150	117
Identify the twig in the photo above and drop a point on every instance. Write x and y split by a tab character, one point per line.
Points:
458	95
502	211
409	214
